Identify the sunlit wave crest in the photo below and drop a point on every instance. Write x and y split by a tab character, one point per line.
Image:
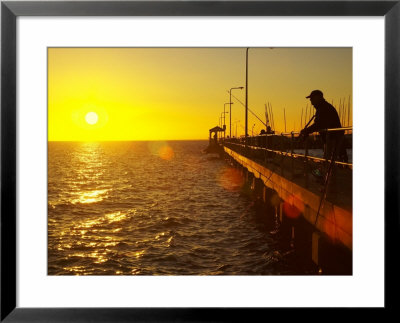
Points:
91	196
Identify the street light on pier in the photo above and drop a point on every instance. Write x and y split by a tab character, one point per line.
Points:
236	122
224	117
247	88
230	108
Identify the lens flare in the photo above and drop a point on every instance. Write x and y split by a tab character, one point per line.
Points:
161	149
166	153
231	179
290	210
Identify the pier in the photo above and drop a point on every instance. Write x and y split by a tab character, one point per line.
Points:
312	214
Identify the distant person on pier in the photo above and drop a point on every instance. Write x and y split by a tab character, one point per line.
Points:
215	139
270	131
326	117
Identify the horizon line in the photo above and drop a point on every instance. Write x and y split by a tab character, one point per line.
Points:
128	140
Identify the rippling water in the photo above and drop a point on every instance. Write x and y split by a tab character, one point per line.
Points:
152	208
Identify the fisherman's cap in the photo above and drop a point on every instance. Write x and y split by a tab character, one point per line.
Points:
315	93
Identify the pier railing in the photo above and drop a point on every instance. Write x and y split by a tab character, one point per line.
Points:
294	149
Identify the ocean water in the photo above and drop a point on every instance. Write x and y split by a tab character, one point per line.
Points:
153	208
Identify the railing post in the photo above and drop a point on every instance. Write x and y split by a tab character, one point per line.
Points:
328	147
306	160
291	151
328	150
265	147
283	156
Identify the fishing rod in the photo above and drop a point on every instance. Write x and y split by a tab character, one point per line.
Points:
266	118
249	110
306	116
284	117
343	113
301	119
272	116
326	182
301	136
348	118
312	118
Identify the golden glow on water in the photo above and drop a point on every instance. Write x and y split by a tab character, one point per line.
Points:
85	231
91	197
115	217
140	226
139	254
108	218
100	257
158	236
170	241
90	223
77	270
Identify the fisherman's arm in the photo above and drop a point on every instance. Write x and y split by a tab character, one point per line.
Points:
310	129
314	127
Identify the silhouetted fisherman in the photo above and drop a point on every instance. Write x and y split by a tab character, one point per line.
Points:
326	117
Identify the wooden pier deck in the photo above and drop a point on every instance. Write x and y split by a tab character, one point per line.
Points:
303	194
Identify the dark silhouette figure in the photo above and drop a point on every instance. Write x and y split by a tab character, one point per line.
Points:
215	138
326	117
270	131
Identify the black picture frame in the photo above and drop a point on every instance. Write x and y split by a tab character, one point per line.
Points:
10	10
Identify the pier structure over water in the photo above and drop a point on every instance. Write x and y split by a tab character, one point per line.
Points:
314	212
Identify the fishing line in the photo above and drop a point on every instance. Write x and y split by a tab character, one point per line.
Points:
249	110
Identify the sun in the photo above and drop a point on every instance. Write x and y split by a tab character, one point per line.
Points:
91	118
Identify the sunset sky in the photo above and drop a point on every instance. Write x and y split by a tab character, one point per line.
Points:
99	94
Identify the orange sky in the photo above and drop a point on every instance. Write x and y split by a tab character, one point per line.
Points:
179	93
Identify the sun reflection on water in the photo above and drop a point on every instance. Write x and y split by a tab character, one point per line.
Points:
91	197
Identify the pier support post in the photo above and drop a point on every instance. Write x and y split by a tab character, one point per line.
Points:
264	194
292	237
315	248
253	184
244	173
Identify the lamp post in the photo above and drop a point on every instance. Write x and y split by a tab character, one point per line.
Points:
230	108
247	88
224	117
236	122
